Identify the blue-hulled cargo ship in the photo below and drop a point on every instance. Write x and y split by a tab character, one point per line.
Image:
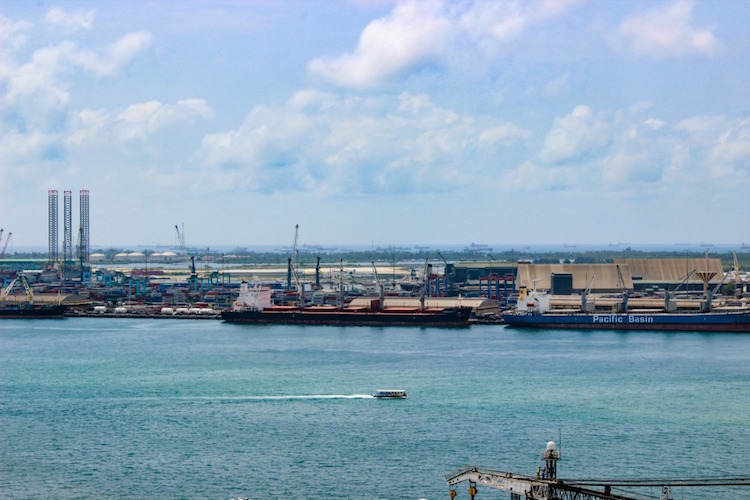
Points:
534	311
689	321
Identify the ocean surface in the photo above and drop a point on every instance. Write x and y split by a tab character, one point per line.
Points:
134	408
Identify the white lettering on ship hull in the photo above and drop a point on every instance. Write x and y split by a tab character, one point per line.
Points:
617	318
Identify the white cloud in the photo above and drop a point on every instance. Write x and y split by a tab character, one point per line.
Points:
667	32
12	34
70	22
414	34
418	33
357	147
138	122
507	134
575	135
491	21
43	73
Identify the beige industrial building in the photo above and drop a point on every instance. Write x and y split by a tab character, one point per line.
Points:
637	274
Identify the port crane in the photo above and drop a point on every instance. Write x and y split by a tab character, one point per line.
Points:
5	246
181	238
547	486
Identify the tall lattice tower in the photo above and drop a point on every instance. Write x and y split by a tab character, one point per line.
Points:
67	227
52	223
84	249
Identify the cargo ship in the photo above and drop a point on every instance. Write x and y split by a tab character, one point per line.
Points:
254	305
13	306
25	310
534	311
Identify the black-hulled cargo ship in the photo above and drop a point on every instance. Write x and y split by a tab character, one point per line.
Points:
254	305
25	310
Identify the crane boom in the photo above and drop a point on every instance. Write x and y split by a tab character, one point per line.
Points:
181	238
24	285
381	290
293	265
7	240
587	306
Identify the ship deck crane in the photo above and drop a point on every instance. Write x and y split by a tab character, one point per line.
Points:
670	306
293	266
623	290
24	285
381	290
587	306
423	288
737	291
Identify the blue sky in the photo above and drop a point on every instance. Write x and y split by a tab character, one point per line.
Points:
378	122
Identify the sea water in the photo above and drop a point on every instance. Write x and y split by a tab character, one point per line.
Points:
137	408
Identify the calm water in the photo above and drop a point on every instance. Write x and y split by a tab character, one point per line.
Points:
123	408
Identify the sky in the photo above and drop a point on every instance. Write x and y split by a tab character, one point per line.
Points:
378	122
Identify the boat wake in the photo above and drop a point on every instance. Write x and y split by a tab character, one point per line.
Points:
240	399
307	396
276	397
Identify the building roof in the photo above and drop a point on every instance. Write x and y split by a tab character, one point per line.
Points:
604	276
673	270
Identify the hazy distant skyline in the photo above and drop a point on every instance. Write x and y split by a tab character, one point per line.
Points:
378	122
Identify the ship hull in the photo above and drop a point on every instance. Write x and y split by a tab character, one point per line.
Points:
25	311
698	322
453	317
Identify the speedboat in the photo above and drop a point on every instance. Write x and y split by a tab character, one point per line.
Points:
390	394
